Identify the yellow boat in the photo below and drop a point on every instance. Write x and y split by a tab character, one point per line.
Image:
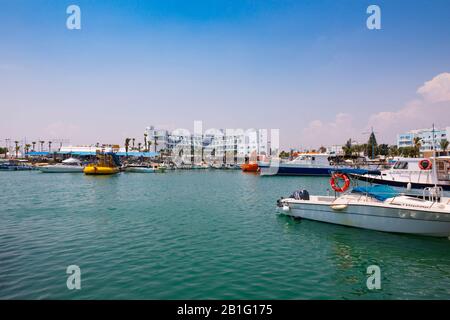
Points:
104	164
95	169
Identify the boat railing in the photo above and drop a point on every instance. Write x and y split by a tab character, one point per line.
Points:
432	194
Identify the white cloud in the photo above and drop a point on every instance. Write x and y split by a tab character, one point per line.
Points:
338	131
437	89
414	115
61	130
432	107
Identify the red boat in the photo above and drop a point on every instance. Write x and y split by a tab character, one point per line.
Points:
250	167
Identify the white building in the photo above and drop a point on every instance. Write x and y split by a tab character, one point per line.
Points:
211	145
426	135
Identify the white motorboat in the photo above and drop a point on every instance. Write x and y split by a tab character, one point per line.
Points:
70	165
144	168
413	173
377	207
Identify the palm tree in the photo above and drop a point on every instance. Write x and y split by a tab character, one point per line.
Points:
27	149
417	145
42	144
127	145
393	151
34	145
444	145
49	146
133	142
139	146
17	148
145	141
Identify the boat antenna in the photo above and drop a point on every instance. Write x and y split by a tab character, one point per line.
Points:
434	161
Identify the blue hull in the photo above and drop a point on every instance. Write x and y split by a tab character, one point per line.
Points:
298	171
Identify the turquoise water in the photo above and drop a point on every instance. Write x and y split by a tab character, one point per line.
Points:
196	235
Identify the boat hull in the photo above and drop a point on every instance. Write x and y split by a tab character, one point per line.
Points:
287	170
393	220
400	184
250	167
142	170
61	169
95	170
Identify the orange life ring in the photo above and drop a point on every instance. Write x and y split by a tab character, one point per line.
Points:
335	186
425	164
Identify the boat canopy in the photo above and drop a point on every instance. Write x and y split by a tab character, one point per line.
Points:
71	160
356	171
379	192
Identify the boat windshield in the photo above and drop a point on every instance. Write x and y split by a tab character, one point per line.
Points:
379	192
401	165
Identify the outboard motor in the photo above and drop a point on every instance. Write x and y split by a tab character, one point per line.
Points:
300	195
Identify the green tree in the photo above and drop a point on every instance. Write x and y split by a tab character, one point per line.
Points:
17	148
393	151
444	145
383	149
127	145
145	141
348	148
417	145
42	145
372	145
27	149
284	154
3	151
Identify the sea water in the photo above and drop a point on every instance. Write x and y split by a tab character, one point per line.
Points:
200	234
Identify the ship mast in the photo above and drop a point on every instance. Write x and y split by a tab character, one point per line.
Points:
434	161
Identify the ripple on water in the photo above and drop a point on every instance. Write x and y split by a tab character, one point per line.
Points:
192	235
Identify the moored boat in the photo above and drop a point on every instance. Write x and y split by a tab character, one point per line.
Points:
144	168
412	173
250	167
105	164
15	165
306	164
377	207
70	165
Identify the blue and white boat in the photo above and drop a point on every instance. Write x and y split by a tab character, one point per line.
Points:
410	173
307	164
15	165
377	207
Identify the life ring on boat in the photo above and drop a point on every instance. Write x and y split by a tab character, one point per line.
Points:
425	164
339	176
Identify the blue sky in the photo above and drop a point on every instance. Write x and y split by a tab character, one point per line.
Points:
309	68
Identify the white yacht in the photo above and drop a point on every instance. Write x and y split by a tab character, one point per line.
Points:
413	173
377	207
70	165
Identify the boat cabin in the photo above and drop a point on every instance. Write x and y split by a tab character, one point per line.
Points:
312	158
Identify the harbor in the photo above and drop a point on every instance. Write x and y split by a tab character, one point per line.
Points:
224	155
